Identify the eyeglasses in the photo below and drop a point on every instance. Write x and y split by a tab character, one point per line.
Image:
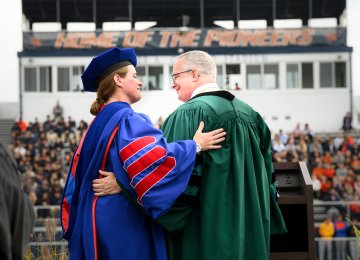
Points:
174	76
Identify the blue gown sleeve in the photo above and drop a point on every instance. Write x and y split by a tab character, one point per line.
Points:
157	171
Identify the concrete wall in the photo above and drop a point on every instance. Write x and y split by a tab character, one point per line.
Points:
322	109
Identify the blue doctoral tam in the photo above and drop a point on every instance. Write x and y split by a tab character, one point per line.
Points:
102	65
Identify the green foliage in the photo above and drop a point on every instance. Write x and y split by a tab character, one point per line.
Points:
357	233
48	250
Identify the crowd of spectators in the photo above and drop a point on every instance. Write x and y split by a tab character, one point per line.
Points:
333	162
43	151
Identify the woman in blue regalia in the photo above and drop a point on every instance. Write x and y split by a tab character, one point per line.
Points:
122	141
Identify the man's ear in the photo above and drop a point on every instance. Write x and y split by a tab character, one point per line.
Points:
195	74
118	80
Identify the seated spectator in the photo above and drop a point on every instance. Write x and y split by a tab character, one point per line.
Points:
341	172
316	186
355	208
297	131
307	131
357	184
22	124
316	146
329	170
279	149
48	124
339	157
337	185
327	158
283	136
355	164
339	139
329	146
325	188
159	122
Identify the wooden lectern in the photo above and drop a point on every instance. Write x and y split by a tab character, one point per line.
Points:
294	185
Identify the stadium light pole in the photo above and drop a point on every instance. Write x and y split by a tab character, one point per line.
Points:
237	12
202	14
131	15
310	9
273	11
94	12
58	11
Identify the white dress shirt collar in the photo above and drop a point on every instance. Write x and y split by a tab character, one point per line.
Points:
208	87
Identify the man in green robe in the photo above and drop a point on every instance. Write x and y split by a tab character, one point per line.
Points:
229	209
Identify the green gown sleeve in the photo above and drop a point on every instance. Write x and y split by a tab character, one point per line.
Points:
277	224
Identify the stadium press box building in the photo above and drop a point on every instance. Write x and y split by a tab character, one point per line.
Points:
290	76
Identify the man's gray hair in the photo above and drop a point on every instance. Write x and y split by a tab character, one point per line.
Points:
199	60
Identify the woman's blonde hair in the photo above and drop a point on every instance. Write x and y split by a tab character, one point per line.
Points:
106	89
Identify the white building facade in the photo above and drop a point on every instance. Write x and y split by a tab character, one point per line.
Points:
289	76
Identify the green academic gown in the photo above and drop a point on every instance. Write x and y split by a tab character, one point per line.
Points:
235	210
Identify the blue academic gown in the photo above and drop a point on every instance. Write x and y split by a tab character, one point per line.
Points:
153	171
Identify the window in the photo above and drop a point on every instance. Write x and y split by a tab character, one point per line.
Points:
292	76
265	76
333	75
45	79
140	72
340	75
326	75
299	75
69	78
37	79
64	79
233	76
219	77
155	78
307	76
30	79
253	76
76	82
271	76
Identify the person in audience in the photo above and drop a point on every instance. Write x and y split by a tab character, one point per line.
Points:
297	131
347	122
326	232
58	111
341	229
355	208
316	186
153	171
307	131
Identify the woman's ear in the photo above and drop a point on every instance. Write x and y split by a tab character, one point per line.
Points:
118	80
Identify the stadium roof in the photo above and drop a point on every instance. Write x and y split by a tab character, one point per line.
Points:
177	13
